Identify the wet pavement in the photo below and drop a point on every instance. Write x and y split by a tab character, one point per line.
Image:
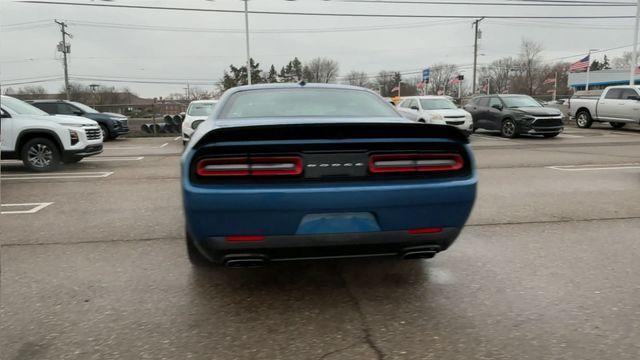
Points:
547	268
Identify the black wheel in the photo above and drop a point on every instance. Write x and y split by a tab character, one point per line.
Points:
40	154
105	133
72	160
422	121
509	129
551	135
195	256
617	125
583	119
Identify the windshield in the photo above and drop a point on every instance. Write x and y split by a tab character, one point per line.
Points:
21	107
200	109
437	104
84	107
520	101
305	103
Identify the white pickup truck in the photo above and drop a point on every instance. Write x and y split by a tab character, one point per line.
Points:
43	141
617	105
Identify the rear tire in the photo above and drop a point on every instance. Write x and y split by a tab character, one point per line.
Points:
550	135
583	119
509	129
422	121
40	154
617	125
195	256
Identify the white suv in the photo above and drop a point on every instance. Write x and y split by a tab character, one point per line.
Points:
438	110
41	140
197	112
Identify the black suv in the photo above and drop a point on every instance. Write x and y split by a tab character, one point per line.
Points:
112	125
514	115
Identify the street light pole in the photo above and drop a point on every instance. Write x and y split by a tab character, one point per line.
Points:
475	54
634	54
246	32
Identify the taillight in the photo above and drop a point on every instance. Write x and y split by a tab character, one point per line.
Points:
250	166
403	163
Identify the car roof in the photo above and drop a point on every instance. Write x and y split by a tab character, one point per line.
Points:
300	85
46	100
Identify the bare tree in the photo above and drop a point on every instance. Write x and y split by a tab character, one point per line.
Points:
441	75
32	92
623	62
531	65
358	78
321	70
499	74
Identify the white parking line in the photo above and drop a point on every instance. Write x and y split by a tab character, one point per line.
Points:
135	147
596	167
177	138
64	175
35	208
114	158
488	137
563	135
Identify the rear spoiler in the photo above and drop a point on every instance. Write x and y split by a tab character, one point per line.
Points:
332	131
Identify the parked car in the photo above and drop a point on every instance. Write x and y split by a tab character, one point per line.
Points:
438	110
513	115
617	105
41	140
308	171
112	125
197	112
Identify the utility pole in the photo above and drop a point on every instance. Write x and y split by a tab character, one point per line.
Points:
475	53
246	32
65	49
634	54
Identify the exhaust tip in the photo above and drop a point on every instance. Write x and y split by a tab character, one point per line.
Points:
410	255
245	262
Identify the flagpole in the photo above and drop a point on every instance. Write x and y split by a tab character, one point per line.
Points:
588	69
634	56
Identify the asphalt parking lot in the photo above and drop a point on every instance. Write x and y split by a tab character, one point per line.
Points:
94	267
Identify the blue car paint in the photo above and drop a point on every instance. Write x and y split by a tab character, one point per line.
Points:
278	209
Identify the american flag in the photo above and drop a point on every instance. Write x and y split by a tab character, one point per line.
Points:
638	70
549	81
454	80
581	65
397	88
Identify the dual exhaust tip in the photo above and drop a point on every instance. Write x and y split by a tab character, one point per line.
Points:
254	261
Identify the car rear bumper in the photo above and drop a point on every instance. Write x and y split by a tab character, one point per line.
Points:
328	246
279	214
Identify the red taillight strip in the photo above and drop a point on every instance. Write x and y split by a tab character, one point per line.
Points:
250	166
244	238
425	231
386	163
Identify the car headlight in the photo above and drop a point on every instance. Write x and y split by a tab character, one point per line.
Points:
195	124
437	117
75	137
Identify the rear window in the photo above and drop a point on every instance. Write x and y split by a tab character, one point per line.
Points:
200	109
437	104
305	102
613	94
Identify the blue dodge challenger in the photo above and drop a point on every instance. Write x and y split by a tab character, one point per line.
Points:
311	171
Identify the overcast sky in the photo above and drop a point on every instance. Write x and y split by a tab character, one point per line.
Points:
29	51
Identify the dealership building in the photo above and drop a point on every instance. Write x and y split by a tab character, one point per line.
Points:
600	79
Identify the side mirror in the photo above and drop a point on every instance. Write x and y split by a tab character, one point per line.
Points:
497	107
636	98
77	112
415	108
4	114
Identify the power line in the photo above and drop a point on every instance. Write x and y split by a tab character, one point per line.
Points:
259	12
266	31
